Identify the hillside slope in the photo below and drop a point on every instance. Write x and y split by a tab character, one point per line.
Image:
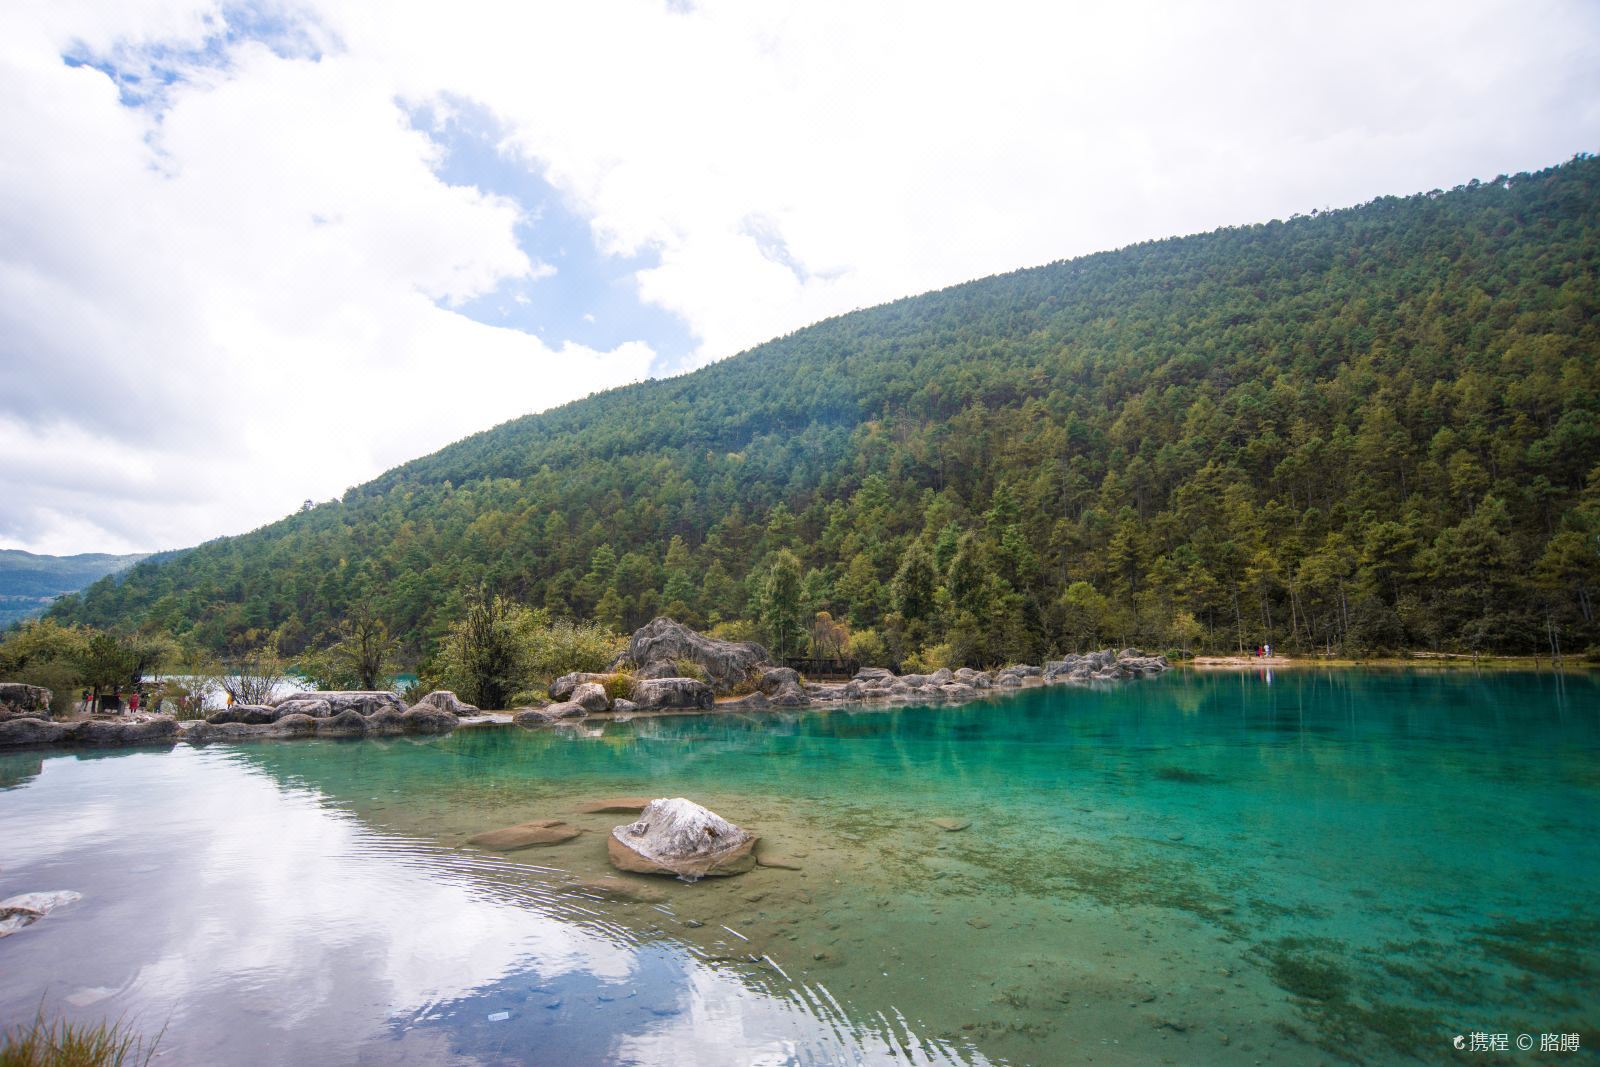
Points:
1364	429
29	582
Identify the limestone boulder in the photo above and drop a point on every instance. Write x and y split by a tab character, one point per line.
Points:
426	719
386	722
673	693
561	689
590	696
366	701
781	686
348	723
295	725
314	707
548	714
445	700
679	837
22	699
664	640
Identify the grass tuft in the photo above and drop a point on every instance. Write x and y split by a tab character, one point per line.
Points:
61	1043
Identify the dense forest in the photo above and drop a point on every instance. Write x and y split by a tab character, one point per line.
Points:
28	583
1362	430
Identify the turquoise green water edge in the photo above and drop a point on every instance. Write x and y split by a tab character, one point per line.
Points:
1312	867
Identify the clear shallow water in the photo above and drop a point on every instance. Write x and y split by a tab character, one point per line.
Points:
1198	868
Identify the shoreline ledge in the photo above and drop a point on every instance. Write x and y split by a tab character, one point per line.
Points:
738	676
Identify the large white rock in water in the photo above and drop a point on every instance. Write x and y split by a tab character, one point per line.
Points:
680	837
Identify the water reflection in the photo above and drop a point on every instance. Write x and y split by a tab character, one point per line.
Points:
241	913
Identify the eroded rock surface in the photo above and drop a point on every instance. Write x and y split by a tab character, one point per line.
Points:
679	837
561	689
590	696
672	693
336	700
24	700
663	641
445	700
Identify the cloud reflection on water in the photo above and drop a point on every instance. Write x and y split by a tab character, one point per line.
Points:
252	919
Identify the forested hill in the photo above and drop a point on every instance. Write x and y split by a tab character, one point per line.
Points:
29	582
1365	429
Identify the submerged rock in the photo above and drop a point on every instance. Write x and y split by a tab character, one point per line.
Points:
28	908
664	641
679	837
538	832
614	805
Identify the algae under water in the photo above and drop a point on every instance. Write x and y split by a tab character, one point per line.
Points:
1204	867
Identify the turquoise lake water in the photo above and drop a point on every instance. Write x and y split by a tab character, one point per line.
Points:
1212	868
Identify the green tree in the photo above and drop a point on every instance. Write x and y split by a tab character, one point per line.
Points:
780	603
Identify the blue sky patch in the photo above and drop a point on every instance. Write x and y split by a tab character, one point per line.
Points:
591	298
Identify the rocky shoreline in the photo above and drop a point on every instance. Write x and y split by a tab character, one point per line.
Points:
650	672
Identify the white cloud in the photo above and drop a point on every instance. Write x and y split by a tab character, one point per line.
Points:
247	287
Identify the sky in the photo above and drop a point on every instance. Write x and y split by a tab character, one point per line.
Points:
255	254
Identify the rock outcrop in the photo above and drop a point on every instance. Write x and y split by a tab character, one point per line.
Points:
141	730
19	699
426	719
252	714
1104	666
590	696
31	731
672	693
662	642
334	714
319	704
562	687
445	700
679	837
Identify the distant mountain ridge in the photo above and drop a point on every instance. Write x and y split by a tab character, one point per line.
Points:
30	583
1365	429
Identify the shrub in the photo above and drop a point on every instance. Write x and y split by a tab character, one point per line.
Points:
688	668
619	686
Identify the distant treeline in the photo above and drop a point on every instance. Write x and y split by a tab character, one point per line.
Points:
1362	430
